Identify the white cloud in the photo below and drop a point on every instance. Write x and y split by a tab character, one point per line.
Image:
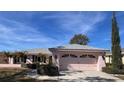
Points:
19	35
16	34
77	22
82	23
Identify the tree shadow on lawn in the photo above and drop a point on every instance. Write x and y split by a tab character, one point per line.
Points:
98	79
69	73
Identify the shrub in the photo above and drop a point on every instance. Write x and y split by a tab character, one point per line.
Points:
31	66
113	71
53	70
47	70
41	70
23	65
108	64
107	70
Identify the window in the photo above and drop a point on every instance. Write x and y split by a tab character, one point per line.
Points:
74	56
83	56
65	55
91	56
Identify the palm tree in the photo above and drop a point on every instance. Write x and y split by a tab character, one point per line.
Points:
7	54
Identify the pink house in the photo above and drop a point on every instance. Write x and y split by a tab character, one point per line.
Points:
68	57
78	57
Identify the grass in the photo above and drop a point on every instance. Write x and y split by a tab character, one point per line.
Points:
15	75
10	74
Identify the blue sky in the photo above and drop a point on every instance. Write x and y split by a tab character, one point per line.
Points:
26	30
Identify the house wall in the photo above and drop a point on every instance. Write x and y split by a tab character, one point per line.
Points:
10	65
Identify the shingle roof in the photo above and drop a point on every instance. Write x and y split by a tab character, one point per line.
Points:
77	46
38	50
69	46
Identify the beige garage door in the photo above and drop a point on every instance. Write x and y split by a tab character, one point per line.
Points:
70	63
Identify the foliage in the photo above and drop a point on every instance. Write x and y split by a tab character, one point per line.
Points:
32	66
19	54
108	65
48	70
110	70
79	39
7	54
116	49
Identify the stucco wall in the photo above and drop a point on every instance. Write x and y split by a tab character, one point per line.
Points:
10	65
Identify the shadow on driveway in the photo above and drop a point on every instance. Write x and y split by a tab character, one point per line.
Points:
98	79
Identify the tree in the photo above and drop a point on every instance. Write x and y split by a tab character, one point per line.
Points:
7	54
79	39
116	48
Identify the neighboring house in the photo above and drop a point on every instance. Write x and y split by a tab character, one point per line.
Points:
38	55
31	56
68	57
108	56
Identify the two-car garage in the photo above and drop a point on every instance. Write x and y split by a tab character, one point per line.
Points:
77	62
78	57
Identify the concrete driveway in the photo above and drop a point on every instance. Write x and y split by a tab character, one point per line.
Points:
81	76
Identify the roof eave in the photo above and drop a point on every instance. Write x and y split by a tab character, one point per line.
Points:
86	50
